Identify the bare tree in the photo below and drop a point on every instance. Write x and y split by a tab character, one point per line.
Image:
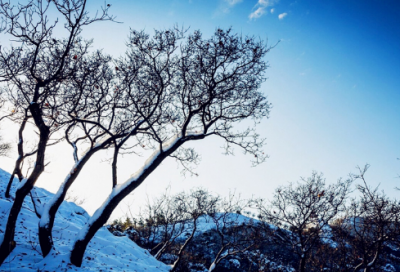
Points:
159	224
4	147
167	216
87	116
304	210
21	156
193	205
373	221
213	84
164	93
34	70
235	233
74	198
108	109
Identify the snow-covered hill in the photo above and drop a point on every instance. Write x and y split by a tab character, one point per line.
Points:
105	252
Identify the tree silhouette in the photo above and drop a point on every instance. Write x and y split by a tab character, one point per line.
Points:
208	85
34	70
301	213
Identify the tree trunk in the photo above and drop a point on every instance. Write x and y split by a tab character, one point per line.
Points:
216	259
175	265
118	193
302	266
37	210
161	251
17	168
8	243
46	223
371	264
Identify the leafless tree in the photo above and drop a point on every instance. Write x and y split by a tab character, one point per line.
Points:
193	205
208	86
235	232
164	93
169	216
159	224
372	222
4	147
108	109
304	211
74	198
88	116
35	69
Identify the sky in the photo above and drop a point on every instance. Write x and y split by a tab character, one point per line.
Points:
333	82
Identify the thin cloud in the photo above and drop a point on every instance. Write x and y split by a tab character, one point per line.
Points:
267	3
272	10
282	15
262	5
233	2
257	14
229	4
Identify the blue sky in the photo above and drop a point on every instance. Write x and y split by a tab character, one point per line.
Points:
333	82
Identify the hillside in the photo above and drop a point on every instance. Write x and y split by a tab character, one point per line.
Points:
106	252
205	245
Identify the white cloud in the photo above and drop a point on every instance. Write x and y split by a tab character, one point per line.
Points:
233	2
267	3
227	5
262	6
272	10
257	13
282	15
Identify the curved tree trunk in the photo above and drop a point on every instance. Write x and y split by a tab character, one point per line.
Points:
118	193
8	243
175	265
49	213
169	241
17	168
38	211
46	223
162	250
371	264
216	259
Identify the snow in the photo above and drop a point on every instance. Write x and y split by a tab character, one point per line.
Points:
267	265
22	183
45	216
212	267
205	223
235	263
104	253
388	268
327	236
118	188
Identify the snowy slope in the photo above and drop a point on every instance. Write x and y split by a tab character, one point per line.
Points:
205	223
105	252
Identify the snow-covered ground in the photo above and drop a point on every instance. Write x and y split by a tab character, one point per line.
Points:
105	252
205	223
